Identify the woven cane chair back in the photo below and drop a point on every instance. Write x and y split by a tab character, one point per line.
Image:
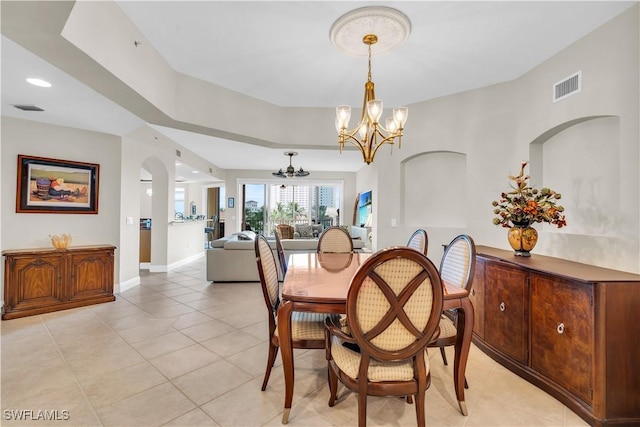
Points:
419	241
335	240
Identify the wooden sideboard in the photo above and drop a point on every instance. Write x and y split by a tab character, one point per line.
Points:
39	281
571	329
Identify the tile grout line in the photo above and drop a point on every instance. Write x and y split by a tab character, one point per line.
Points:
75	378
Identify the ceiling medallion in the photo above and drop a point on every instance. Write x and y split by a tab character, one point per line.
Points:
370	26
390	25
290	172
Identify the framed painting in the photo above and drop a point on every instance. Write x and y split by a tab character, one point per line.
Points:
362	208
56	186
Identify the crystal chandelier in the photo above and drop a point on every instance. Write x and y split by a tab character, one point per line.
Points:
369	134
290	172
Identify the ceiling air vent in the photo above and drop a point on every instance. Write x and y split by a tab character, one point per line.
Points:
178	153
567	87
28	108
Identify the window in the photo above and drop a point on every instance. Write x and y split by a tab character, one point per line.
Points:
303	204
179	201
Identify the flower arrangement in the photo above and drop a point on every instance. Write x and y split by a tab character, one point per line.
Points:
525	205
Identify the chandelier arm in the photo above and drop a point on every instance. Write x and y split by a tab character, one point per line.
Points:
387	140
355	141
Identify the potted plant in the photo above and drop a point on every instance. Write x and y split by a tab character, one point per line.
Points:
524	205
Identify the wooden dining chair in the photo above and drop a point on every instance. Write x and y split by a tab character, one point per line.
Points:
419	241
393	307
307	329
281	256
336	240
457	267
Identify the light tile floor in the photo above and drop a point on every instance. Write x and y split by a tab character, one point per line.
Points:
179	351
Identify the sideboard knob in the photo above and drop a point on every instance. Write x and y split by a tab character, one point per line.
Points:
502	306
560	328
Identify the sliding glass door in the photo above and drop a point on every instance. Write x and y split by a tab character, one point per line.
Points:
267	205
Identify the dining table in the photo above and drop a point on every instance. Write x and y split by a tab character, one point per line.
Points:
319	283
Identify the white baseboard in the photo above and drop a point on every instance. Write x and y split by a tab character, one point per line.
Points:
186	261
174	265
129	284
145	266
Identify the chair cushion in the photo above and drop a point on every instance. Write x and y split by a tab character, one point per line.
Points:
349	362
307	326
447	328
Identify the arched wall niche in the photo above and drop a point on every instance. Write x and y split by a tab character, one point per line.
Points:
575	159
433	189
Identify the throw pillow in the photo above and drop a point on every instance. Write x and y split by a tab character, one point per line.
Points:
306	231
246	235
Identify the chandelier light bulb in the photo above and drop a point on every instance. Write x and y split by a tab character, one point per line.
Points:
363	131
343	114
400	115
374	110
391	125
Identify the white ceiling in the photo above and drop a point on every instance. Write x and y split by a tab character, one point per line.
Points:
280	52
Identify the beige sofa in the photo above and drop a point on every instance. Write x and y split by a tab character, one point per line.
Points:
233	258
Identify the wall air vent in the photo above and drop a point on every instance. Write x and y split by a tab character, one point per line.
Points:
567	87
28	108
178	153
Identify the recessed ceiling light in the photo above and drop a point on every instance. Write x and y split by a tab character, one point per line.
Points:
39	82
195	171
180	177
177	163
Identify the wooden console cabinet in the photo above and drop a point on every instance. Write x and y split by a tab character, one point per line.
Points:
571	329
39	281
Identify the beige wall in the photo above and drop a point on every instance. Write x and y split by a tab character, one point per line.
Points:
32	230
594	135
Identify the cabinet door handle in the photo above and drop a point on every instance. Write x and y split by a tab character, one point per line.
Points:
560	328
502	306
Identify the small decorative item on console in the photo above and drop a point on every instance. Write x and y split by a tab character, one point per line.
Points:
61	241
524	205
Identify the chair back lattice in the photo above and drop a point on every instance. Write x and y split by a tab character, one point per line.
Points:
458	262
394	304
285	231
281	256
419	241
268	275
336	240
